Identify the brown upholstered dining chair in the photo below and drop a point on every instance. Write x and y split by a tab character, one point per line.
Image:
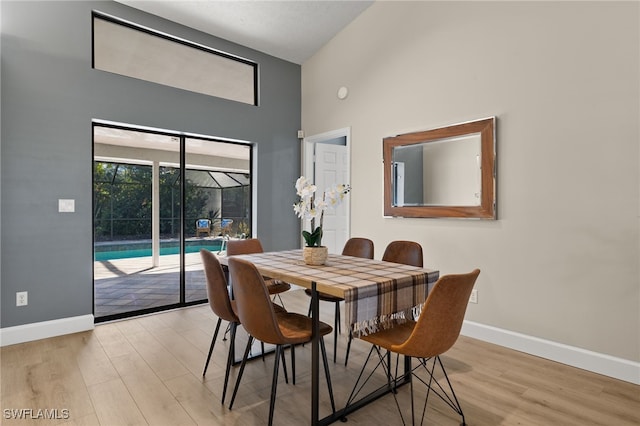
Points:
357	247
258	317
405	252
251	246
434	333
222	306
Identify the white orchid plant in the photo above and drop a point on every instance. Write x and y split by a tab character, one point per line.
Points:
311	207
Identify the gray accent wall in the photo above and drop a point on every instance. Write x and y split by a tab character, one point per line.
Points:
50	94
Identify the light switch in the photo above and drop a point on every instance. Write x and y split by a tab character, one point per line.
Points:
66	206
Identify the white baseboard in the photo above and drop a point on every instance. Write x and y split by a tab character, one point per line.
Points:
44	329
607	365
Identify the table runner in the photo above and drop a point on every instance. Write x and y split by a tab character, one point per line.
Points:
377	294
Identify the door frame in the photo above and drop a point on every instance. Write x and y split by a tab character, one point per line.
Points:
182	166
307	161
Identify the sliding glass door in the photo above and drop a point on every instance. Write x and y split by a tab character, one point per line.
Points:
158	199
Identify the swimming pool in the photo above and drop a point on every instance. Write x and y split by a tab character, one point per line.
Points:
126	250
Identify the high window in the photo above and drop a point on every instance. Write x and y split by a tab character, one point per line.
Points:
128	49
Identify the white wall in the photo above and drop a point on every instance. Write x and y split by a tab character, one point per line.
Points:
562	261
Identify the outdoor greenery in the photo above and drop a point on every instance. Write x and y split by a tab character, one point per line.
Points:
122	202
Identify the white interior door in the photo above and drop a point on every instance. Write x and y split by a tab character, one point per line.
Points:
332	167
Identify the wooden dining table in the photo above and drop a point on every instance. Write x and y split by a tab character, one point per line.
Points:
377	294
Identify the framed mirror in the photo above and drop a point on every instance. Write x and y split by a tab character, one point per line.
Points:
443	172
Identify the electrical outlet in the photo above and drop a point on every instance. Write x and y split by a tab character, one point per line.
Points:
474	296
22	298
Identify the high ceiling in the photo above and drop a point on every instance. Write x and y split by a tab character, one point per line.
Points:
289	30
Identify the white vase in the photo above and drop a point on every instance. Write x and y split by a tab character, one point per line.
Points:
315	256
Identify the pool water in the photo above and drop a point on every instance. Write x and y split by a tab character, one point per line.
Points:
102	253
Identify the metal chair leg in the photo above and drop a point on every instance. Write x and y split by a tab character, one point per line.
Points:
384	361
277	296
346	357
293	364
356	389
213	343
284	367
244	362
274	383
434	386
224	338
234	326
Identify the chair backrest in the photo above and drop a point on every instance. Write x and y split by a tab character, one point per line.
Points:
252	302
248	246
203	223
217	290
358	247
405	252
440	322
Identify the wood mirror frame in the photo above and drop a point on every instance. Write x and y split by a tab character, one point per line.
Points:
485	209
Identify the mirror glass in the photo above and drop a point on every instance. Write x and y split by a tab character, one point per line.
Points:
439	173
445	172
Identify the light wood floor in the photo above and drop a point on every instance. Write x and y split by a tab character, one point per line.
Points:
149	371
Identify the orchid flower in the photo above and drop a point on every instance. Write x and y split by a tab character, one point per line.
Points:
311	207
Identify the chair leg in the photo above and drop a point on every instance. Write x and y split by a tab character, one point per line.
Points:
286	377
392	382
413	416
293	364
213	343
284	366
277	296
274	383
457	408
383	361
436	387
356	389
244	362
234	327
346	357
224	338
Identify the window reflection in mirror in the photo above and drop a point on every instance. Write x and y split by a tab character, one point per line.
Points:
444	172
438	173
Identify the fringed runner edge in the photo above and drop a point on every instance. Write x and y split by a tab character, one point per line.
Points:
384	322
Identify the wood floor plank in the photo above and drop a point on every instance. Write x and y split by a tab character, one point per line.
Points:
188	354
114	405
164	364
154	400
202	405
93	361
112	340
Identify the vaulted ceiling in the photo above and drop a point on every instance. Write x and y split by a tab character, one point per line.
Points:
289	30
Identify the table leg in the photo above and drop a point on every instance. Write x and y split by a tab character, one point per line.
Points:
315	355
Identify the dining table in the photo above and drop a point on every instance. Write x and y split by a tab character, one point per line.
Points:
377	294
